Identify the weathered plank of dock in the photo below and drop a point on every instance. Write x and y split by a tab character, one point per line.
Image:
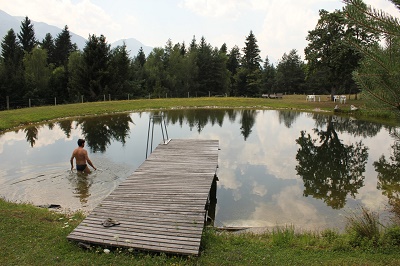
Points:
161	206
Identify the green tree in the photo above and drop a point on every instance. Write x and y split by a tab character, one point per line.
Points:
155	73
290	73
205	67
119	71
12	80
76	75
378	75
138	75
268	77
48	44
249	76
37	73
329	53
96	57
63	47
27	35
233	65
140	58
58	81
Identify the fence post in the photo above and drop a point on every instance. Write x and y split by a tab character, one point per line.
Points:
188	94
82	98
55	101
109	97
29	102
128	96
104	97
209	94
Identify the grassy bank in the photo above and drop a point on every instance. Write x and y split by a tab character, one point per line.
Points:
14	118
34	236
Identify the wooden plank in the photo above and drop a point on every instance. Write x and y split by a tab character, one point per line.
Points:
161	206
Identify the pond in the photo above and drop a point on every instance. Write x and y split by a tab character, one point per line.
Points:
275	167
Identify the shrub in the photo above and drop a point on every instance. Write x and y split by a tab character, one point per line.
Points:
392	236
363	228
329	235
283	237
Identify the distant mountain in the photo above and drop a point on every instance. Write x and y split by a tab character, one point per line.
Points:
133	46
8	22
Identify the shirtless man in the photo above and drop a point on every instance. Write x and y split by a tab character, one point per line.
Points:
81	158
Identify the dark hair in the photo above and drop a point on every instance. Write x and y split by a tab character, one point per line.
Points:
81	142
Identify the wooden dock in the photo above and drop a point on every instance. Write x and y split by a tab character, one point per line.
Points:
161	206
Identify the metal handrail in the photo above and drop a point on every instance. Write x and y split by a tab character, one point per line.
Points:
165	137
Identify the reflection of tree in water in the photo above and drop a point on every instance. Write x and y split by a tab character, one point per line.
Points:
196	118
389	174
345	124
288	117
247	121
99	131
330	170
66	127
31	134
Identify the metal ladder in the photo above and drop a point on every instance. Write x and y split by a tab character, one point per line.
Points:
166	140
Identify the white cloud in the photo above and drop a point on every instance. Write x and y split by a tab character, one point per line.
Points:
83	17
217	8
279	25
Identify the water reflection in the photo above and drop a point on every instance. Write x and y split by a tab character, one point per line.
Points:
357	128
288	117
99	132
275	167
81	183
330	169
31	134
389	174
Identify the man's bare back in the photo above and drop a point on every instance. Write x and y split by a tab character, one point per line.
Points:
81	158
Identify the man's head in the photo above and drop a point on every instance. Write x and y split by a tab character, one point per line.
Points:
81	142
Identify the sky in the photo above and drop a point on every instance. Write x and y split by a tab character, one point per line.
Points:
278	25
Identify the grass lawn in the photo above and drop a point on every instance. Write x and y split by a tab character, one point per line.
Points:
13	118
35	236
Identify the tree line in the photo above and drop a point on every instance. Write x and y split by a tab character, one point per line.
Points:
56	68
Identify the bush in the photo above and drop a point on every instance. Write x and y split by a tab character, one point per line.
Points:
283	237
363	228
392	236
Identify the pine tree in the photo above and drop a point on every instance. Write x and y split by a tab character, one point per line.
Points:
233	65
63	47
119	67
140	59
12	55
290	73
96	55
249	76
268	73
48	45
27	35
251	58
378	76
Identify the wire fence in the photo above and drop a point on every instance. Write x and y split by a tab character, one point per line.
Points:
9	103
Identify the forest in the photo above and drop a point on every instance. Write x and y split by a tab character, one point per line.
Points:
40	72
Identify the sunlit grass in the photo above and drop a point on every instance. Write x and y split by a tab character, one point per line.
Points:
14	118
35	236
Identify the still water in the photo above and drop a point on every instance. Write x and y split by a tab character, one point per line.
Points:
275	167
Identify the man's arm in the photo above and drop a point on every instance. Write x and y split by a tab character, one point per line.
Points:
89	161
72	160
